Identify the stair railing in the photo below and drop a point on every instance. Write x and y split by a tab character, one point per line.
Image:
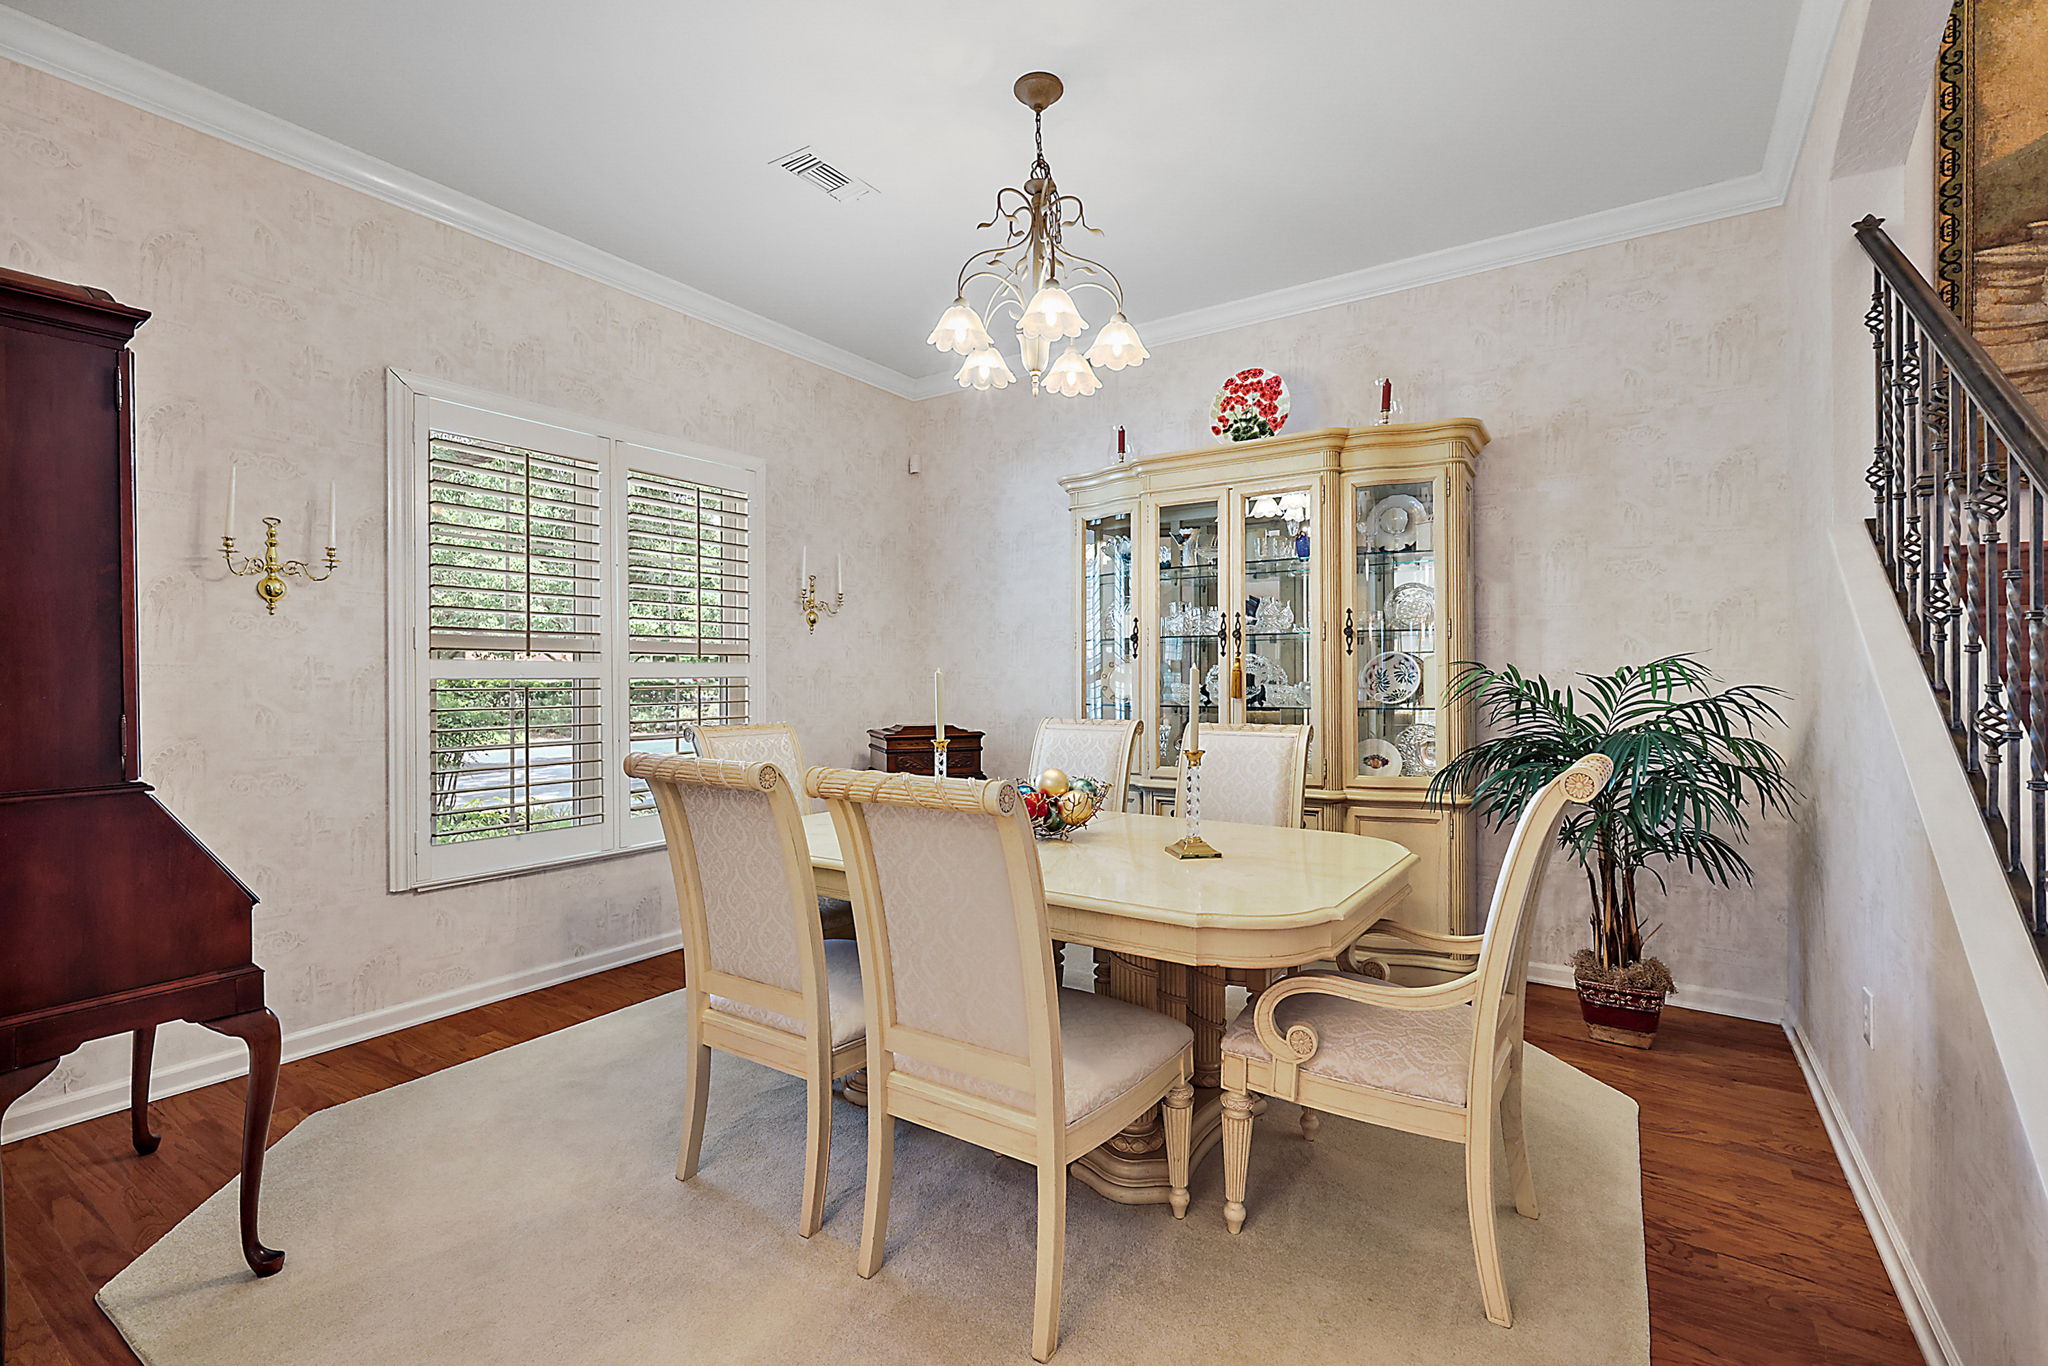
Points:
1959	473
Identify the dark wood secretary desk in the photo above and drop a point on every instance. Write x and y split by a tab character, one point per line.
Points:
113	918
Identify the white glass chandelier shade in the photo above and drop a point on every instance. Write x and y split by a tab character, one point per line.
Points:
985	369
1051	314
1071	376
959	330
1117	345
1020	286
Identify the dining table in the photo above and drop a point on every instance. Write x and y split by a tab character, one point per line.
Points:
1173	935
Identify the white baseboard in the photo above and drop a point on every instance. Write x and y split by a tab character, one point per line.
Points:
33	1116
1714	1000
1921	1315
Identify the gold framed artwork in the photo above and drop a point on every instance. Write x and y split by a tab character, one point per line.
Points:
1991	182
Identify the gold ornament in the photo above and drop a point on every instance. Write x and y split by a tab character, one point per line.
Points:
1077	807
1052	782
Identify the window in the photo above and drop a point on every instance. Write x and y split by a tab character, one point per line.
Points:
561	594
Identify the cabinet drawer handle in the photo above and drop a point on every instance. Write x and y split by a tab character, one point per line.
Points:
1350	632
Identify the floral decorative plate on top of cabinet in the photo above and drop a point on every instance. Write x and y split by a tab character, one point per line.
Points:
1252	403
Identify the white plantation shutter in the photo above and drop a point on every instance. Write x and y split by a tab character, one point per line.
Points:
566	596
690	656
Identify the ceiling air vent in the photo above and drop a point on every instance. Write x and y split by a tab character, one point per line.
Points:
806	165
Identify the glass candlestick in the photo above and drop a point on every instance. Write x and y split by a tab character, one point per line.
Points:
1192	845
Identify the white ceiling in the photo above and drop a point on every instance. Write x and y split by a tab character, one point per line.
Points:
1230	150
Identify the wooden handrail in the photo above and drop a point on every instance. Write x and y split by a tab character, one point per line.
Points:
2001	403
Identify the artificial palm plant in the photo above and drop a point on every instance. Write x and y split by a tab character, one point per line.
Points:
1688	769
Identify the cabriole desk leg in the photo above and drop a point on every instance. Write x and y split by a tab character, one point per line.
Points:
258	1029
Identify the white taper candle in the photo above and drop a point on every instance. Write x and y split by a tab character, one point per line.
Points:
234	475
333	516
938	704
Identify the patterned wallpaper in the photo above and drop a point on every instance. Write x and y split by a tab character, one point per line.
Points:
1634	501
280	298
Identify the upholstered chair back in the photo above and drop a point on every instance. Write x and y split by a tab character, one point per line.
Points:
744	885
774	744
1254	775
1504	948
1087	749
955	954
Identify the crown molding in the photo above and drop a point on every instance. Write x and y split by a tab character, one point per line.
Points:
66	55
1805	65
81	61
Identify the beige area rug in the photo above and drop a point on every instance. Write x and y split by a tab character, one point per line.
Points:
523	1208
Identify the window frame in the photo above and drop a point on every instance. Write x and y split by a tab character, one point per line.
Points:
418	405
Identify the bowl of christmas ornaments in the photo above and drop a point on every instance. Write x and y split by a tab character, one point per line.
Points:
1059	805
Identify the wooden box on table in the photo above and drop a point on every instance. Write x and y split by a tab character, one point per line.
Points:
908	749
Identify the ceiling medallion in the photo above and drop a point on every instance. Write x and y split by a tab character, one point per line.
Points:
1032	274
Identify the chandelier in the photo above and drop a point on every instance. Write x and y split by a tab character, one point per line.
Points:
1032	277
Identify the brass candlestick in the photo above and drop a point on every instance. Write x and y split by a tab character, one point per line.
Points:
808	600
1192	845
271	586
939	743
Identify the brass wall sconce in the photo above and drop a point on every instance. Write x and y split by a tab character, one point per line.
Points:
271	571
807	599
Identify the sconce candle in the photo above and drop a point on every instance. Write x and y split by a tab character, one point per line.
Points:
270	570
807	600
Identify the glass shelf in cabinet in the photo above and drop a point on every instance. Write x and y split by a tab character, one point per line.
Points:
1376	556
1292	564
1188	571
1364	709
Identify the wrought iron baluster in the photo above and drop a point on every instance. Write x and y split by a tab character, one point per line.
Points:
1906	409
1877	477
1939	605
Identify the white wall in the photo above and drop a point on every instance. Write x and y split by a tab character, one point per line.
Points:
280	298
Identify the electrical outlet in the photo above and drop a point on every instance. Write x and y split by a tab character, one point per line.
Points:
1869	1014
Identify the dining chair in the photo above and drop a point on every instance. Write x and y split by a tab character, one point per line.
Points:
760	981
1255	775
1088	748
775	743
968	1033
1443	1061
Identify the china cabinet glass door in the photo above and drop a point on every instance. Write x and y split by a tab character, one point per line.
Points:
1109	623
1191	622
1393	625
1273	619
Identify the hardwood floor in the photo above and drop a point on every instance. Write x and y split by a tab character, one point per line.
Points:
1757	1255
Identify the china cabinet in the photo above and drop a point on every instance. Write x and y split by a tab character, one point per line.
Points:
1320	578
